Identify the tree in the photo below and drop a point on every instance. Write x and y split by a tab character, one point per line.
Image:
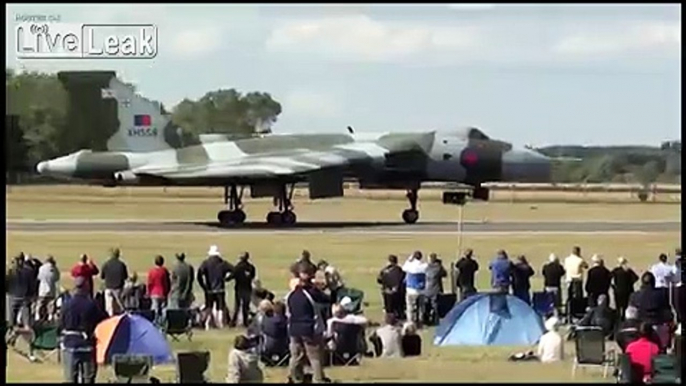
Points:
16	150
227	112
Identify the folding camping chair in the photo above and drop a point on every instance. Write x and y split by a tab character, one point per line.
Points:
665	369
191	366
625	372
355	295
131	368
348	342
544	303
45	337
589	345
277	356
178	322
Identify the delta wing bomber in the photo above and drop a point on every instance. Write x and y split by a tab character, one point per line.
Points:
144	151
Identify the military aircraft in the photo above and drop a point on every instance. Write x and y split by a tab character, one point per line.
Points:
140	154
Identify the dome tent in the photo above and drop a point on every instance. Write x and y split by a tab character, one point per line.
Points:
490	319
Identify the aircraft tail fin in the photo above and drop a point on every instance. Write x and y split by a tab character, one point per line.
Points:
119	118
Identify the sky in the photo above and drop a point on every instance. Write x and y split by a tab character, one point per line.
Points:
528	74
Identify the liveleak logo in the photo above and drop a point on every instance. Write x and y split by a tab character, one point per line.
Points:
86	41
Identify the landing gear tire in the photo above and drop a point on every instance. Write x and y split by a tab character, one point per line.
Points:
274	218
410	216
288	218
285	215
230	217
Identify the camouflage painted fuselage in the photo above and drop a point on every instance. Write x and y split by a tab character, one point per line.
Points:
386	160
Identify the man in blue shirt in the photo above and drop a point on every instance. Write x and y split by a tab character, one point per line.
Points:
79	317
501	272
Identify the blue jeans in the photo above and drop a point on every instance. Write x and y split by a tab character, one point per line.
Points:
79	366
158	305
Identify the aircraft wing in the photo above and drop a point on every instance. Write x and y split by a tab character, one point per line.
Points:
295	163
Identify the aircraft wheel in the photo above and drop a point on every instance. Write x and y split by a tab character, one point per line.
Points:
410	216
288	218
224	217
239	216
274	218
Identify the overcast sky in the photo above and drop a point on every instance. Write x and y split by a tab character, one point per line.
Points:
581	74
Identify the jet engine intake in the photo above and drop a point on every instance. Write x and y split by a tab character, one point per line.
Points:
126	177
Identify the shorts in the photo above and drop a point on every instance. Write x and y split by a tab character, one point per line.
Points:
215	298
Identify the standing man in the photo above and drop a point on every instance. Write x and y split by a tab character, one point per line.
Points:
78	319
114	273
466	269
553	272
435	272
598	281
243	274
574	268
664	275
18	283
212	276
623	279
678	292
415	283
182	278
501	272
391	280
48	277
87	269
521	283
306	261
306	328
159	285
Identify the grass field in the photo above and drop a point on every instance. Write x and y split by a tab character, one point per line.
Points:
79	202
359	257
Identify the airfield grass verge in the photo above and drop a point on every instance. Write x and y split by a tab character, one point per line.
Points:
359	258
202	204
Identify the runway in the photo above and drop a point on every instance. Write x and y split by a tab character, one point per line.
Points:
343	227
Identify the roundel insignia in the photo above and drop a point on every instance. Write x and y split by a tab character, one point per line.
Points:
469	157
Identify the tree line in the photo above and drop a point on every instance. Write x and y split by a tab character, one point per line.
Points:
48	128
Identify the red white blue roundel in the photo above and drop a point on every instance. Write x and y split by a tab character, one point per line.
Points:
469	158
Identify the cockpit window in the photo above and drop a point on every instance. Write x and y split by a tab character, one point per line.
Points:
474	133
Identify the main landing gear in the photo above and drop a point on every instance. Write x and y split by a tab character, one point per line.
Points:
410	216
285	214
234	214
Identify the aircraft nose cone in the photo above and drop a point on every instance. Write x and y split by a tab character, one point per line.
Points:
42	167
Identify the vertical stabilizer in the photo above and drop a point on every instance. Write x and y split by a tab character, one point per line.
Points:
117	118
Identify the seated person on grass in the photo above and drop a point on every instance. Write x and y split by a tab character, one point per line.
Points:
411	341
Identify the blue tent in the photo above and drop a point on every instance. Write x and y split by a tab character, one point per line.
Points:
131	334
490	319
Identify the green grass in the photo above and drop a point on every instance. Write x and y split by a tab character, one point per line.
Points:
359	257
83	202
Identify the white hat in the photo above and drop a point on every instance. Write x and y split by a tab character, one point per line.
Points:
345	301
214	251
621	260
596	259
551	323
552	257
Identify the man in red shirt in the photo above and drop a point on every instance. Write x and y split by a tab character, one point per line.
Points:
642	351
159	284
85	268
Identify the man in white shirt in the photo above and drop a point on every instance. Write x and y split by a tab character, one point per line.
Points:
664	275
415	282
550	347
574	272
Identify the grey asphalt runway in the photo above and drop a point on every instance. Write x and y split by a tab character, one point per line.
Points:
346	227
